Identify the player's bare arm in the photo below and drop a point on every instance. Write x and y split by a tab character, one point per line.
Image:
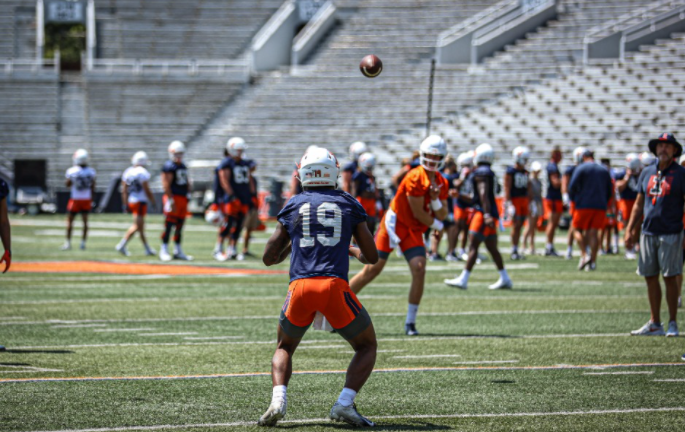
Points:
167	178
565	180
278	247
622	184
508	180
366	252
68	182
5	235
555	179
150	196
483	185
630	236
124	195
225	180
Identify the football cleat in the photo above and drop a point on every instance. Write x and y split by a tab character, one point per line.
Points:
2	348
122	250
649	329
164	254
584	261
456	283
630	255
182	256
66	246
672	329
435	257
551	252
349	415
569	255
452	257
502	284
240	257
592	266
219	256
410	329
275	412
149	251
515	256
83	245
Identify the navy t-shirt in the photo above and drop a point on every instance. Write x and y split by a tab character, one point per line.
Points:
240	179
320	224
350	167
569	171
630	192
466	190
179	179
552	192
4	189
663	211
450	180
591	186
364	182
519	182
482	172
220	196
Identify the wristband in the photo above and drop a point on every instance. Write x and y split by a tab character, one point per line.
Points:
436	204
437	225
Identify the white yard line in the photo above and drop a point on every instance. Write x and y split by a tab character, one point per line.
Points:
168	334
213	338
123	330
620	373
319	420
486	362
671	380
425	356
78	326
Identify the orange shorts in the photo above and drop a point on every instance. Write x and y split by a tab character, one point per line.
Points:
138	209
234	208
181	203
610	221
477	226
625	209
411	241
369	205
332	297
522	206
552	206
465	214
589	219
79	206
571	208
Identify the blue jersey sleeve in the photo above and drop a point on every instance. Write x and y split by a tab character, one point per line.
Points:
350	167
511	170
285	214
357	212
569	171
168	166
4	189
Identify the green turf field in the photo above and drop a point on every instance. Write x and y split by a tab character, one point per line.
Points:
119	353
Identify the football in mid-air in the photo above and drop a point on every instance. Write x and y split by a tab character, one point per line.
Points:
371	66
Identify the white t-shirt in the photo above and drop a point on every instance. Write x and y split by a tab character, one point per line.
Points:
82	179
134	177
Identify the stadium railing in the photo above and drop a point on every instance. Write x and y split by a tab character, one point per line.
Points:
230	70
42	66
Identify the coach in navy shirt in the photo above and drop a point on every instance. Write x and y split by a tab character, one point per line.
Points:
660	199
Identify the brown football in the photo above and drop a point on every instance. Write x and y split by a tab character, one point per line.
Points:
371	66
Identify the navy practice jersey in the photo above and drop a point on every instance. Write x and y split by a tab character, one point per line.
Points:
591	187
320	224
630	192
179	178
552	192
663	191
364	182
239	180
466	190
4	190
482	172
350	167
519	182
450	180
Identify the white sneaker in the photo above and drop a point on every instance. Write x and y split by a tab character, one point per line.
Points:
630	255
584	261
592	266
240	257
502	284
465	256
649	329
164	254
121	248
456	283
672	329
66	246
219	256
349	415
569	254
179	255
230	252
275	412
451	257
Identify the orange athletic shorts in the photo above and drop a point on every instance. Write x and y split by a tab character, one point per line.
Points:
464	214
332	297
79	206
138	209
625	209
589	219
522	206
234	208
478	226
571	208
552	206
369	205
411	241
181	206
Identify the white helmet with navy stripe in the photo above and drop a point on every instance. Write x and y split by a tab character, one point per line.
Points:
176	148
140	159
633	162
236	146
434	145
484	154
318	168
578	154
357	149
521	155
367	162
80	157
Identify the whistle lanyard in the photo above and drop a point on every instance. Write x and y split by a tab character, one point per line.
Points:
659	177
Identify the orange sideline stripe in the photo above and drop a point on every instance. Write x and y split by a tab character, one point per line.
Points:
129	269
321	372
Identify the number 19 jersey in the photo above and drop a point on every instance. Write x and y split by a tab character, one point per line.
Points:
320	224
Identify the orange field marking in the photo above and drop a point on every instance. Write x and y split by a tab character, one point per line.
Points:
128	268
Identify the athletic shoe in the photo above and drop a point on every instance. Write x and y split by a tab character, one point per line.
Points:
240	257
452	257
121	248
435	257
502	284
672	329
275	412
592	266
83	245
164	254
66	246
182	256
683	357
231	253
551	252
465	256
584	261
569	255
456	283
649	329
248	254
149	251
603	252
630	255
515	256
349	415
219	256
410	329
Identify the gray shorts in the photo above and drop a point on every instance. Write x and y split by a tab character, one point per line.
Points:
660	254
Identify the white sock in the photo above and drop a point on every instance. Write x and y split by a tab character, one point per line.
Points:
177	248
412	309
165	247
279	392
514	249
122	243
503	274
616	241
219	247
549	246
569	250
346	397
465	275
461	252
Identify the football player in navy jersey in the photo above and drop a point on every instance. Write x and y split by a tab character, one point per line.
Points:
483	226
517	196
364	189
553	202
176	189
356	149
317	226
5	231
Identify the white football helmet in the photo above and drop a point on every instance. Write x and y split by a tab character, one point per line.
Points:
521	155
578	154
647	158
318	168
356	149
536	166
433	145
80	157
465	159
236	147
633	162
213	216
176	150
140	159
484	154
367	162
